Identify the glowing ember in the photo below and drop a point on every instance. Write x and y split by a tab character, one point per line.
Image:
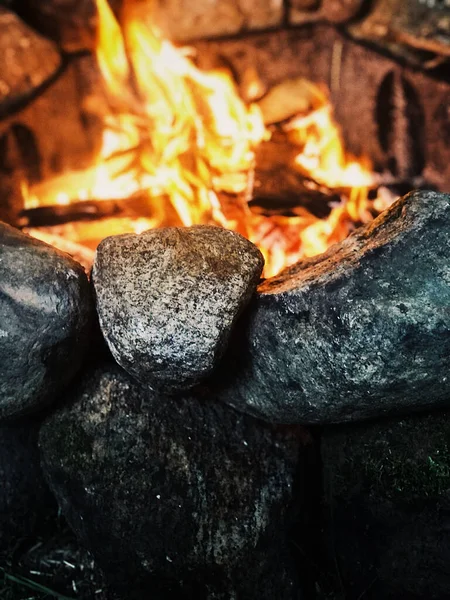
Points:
186	139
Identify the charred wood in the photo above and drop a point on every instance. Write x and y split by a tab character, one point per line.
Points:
88	210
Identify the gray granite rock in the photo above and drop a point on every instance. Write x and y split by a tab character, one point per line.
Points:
185	497
45	310
167	299
386	507
24	496
357	332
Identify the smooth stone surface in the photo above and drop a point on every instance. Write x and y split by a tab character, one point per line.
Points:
360	331
28	60
387	508
185	496
167	299
24	496
45	315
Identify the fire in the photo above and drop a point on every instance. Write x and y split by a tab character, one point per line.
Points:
184	140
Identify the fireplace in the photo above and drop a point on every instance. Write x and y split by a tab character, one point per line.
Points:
280	132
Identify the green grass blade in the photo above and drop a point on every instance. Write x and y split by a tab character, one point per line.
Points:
33	585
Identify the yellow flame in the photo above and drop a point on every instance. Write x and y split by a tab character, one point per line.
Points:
185	135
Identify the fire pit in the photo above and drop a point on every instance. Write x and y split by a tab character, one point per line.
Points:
142	138
254	269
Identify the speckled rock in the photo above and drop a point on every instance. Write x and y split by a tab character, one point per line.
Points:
360	331
387	507
167	299
45	309
185	497
28	61
24	496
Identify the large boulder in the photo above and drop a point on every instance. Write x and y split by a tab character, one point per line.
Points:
45	310
25	499
185	497
387	507
360	331
167	299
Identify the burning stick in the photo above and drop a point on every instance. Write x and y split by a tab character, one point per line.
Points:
89	210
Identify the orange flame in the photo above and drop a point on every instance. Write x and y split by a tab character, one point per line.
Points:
185	138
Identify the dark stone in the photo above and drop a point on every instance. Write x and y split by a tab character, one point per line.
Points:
387	507
167	299
70	23
360	331
24	496
183	496
410	111
410	29
45	310
333	11
28	61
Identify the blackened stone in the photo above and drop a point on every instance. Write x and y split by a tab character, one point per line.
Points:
408	29
28	60
387	507
360	331
25	499
45	309
186	498
167	299
70	23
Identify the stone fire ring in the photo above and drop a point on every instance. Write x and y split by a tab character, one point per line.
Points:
360	331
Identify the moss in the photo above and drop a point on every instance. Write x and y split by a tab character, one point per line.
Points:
402	459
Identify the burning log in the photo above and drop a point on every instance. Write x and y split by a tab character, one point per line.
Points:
278	184
89	210
359	331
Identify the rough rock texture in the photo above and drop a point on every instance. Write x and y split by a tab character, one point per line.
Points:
70	23
28	61
405	28
398	117
357	332
185	497
24	496
45	309
167	299
333	11
182	20
387	507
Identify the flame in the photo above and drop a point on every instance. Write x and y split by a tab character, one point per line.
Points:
186	139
